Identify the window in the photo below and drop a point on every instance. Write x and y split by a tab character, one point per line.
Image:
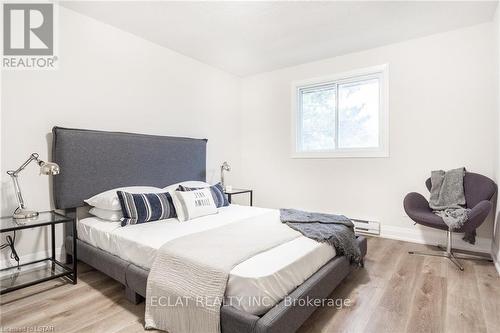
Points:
341	116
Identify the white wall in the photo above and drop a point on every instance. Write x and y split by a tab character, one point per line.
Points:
442	115
111	80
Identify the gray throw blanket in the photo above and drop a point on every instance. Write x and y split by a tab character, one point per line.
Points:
336	230
448	198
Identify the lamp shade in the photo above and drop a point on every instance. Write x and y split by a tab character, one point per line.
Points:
49	168
225	166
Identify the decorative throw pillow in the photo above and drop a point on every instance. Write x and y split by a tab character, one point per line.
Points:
195	203
217	193
145	207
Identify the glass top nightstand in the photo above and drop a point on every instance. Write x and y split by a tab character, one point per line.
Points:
44	218
236	191
41	270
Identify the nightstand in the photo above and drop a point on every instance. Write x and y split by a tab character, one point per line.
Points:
41	270
236	191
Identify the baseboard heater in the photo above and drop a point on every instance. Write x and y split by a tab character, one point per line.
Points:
365	227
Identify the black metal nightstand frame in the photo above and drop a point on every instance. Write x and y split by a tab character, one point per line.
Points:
55	269
237	191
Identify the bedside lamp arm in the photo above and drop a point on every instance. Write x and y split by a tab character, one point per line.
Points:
224	167
14	173
222	177
17	189
33	157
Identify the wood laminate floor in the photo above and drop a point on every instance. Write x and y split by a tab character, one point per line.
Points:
395	292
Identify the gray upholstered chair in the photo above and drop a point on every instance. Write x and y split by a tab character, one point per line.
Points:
478	190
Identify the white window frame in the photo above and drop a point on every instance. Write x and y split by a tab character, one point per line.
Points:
382	73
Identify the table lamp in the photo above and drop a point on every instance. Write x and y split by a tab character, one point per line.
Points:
46	168
224	167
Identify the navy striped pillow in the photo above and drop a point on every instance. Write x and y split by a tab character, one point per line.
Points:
217	191
145	207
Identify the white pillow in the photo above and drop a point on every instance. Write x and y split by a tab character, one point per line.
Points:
192	204
109	200
189	183
106	214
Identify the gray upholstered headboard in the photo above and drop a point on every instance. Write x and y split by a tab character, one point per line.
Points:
95	161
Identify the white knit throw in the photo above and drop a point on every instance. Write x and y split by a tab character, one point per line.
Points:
188	278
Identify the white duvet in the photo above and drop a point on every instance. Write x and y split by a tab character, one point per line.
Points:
262	281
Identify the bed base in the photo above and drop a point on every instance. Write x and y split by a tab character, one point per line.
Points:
281	318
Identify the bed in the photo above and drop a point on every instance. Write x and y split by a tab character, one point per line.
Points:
95	161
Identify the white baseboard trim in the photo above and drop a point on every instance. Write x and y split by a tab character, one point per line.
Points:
6	261
416	234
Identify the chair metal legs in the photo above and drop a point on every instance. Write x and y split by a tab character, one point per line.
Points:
443	254
452	254
461	254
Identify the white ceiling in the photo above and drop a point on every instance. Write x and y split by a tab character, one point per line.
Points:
246	38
